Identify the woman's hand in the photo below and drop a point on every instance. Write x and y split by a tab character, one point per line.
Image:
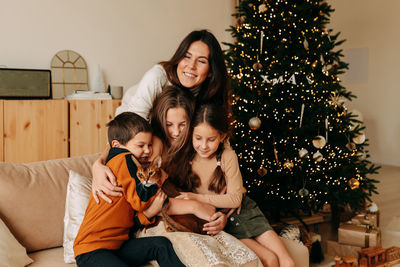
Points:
104	183
192	196
156	206
203	210
217	223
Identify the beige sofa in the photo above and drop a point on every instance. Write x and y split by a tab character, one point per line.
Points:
32	206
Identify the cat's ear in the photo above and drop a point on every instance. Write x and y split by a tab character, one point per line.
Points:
157	162
136	162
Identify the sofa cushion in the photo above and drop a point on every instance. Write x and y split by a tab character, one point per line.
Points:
33	199
12	253
49	258
78	194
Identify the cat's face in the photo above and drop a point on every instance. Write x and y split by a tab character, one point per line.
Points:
149	173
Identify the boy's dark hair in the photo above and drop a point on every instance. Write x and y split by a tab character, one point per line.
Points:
126	126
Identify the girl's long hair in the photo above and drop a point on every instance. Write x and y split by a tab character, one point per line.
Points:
171	97
217	86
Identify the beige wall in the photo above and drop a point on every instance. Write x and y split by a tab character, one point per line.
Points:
374	27
125	37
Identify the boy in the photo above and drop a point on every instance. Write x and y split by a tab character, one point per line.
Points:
103	238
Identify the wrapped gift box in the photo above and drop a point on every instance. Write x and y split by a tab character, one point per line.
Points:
359	235
367	218
334	248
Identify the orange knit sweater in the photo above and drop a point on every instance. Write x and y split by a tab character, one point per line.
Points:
107	225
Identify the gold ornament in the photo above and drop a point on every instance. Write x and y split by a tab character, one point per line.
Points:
255	123
303	152
351	146
359	138
354	183
257	66
288	165
319	142
262	171
317	156
262	8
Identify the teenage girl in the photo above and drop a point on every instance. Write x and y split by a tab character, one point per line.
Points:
212	168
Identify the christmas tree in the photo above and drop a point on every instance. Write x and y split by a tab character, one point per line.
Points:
298	146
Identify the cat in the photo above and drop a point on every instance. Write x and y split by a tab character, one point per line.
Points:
151	174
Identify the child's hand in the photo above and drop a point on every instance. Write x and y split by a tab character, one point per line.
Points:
156	206
217	223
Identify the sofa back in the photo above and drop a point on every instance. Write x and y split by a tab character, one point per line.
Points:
32	199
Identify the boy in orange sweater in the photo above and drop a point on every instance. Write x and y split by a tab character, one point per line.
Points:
103	238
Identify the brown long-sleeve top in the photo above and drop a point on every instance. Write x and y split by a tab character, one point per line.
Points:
107	225
204	168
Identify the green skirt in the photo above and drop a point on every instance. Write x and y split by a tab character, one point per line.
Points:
250	223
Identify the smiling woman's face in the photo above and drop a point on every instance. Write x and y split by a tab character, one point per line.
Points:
194	67
176	121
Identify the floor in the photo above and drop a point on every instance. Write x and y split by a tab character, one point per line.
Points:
388	201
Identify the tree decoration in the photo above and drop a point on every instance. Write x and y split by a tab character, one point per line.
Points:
262	8
262	171
255	123
303	152
359	138
319	141
303	192
288	165
317	156
351	146
354	183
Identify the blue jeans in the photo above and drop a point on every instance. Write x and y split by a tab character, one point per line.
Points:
133	252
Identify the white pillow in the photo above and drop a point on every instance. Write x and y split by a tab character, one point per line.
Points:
12	253
78	192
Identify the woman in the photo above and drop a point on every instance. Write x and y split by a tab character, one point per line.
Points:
197	66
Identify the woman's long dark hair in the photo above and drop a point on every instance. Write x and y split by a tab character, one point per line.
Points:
216	86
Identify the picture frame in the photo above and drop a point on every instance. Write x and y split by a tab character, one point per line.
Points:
25	83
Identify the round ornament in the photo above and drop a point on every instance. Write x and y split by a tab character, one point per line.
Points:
262	171
288	164
351	146
262	8
359	138
303	192
354	183
303	152
257	66
317	156
254	123
319	141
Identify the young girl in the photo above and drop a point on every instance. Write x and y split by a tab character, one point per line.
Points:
213	167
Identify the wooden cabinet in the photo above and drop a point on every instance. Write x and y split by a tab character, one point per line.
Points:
34	130
1	131
88	119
